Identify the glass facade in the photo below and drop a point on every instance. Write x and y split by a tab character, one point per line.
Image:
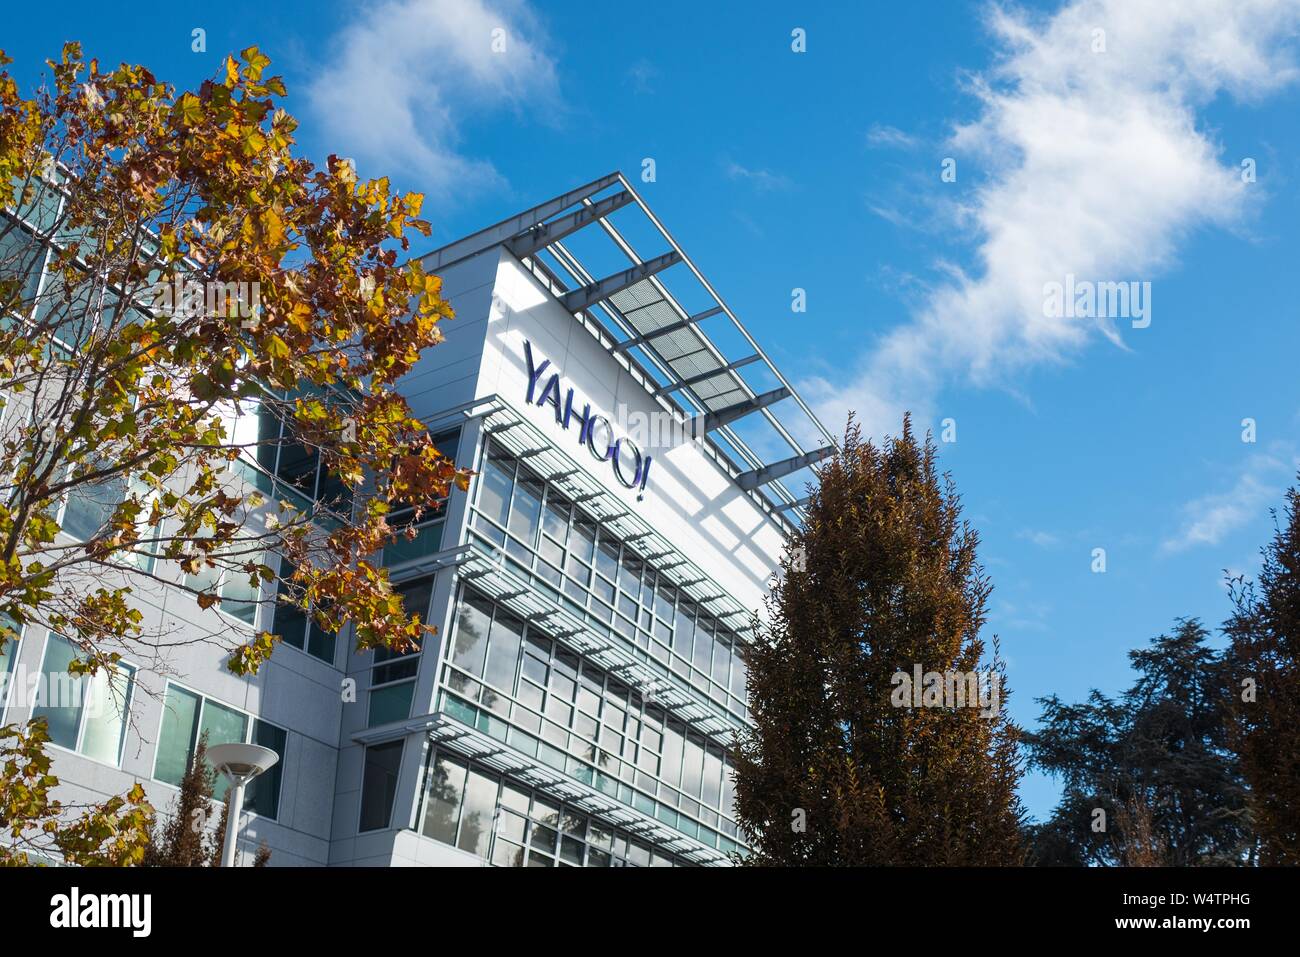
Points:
512	681
502	821
583	566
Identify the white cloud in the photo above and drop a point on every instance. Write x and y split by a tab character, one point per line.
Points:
889	137
643	75
1259	485
762	179
1092	164
404	75
1038	537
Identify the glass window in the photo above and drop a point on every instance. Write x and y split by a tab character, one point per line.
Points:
674	741
379	784
298	466
392	680
526	509
582	540
555	520
188	716
476	819
721	662
262	796
444	788
294	626
693	765
22	256
238	594
391	703
728	789
503	650
104	725
739	674
607	559
290	622
176	737
89	507
223	726
416	596
473	623
683	631
59	696
82	712
712	776
703	647
494	492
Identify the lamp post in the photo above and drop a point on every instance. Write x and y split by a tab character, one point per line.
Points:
240	763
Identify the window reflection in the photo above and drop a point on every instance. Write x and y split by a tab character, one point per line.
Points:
469	807
584	567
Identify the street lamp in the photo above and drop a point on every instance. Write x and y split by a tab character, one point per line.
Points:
240	763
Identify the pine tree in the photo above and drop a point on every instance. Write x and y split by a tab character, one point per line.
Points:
836	769
1265	690
185	839
1148	779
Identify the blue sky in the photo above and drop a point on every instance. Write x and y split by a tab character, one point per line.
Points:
821	170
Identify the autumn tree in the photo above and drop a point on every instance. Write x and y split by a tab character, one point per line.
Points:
1148	779
200	338
37	828
839	767
1264	690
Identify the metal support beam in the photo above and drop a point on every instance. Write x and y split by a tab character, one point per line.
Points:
587	296
539	237
706	376
770	473
786	506
664	330
716	420
512	227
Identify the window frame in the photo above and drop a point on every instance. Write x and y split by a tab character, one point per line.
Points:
309	626
249	735
626	724
128	705
579	584
567	824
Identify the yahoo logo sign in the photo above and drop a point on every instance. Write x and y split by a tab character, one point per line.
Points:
631	468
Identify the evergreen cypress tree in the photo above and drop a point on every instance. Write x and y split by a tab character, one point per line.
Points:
1265	651
882	578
